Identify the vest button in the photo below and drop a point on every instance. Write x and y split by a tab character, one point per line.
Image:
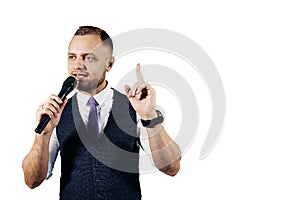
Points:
97	179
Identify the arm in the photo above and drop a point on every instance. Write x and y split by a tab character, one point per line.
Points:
35	163
165	152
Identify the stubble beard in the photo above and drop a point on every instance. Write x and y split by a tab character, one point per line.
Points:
90	87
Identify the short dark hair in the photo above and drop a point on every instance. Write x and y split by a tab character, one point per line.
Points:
88	30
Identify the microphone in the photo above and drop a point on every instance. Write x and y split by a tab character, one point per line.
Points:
67	87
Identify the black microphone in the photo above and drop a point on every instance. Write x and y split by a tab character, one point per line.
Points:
67	87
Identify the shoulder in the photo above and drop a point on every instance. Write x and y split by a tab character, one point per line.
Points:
122	104
120	98
118	94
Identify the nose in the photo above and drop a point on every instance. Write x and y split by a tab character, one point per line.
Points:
79	64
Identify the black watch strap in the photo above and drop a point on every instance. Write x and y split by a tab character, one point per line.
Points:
153	122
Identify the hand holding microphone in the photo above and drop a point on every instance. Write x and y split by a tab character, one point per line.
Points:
55	103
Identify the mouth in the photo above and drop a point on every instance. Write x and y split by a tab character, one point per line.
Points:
79	75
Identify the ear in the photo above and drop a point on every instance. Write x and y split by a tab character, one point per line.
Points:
110	63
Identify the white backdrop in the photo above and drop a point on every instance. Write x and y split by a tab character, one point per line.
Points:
255	47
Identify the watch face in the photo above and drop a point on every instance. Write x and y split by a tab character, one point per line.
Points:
145	122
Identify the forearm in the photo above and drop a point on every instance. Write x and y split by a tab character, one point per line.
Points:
35	164
165	152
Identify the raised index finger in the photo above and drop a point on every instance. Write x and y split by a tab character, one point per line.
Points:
139	75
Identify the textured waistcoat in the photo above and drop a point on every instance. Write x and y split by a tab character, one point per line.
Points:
105	167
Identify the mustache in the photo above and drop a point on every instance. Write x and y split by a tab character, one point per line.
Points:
76	72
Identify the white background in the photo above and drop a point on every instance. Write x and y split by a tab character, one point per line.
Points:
255	47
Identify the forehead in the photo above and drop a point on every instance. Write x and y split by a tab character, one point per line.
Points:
85	43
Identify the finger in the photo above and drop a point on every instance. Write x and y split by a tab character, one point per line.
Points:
141	87
52	104
64	104
49	108
139	75
143	91
56	98
134	89
43	111
50	113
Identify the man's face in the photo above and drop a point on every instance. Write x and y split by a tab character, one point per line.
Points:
88	61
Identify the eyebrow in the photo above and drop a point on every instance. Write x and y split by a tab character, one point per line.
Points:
84	54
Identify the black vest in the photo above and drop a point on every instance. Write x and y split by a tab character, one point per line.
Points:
99	168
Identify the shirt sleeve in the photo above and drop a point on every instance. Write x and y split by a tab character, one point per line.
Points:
53	152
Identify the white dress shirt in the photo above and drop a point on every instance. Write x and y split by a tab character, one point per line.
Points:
105	101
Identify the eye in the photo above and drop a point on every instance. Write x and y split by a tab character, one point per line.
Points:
89	58
71	57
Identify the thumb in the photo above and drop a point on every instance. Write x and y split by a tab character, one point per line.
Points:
63	104
127	90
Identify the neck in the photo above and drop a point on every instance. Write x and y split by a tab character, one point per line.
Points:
101	87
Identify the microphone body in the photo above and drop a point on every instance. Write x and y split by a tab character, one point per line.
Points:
67	87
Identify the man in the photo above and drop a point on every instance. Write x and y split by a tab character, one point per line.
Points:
98	162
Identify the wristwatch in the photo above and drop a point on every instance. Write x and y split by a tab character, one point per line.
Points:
153	122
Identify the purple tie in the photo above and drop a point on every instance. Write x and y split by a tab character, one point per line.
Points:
93	124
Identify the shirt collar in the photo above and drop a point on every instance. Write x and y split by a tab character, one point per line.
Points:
100	97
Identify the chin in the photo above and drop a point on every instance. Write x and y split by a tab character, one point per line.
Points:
86	87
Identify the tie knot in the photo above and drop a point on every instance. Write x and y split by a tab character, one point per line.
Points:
92	101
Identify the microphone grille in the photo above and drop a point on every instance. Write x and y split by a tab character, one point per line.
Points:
70	81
